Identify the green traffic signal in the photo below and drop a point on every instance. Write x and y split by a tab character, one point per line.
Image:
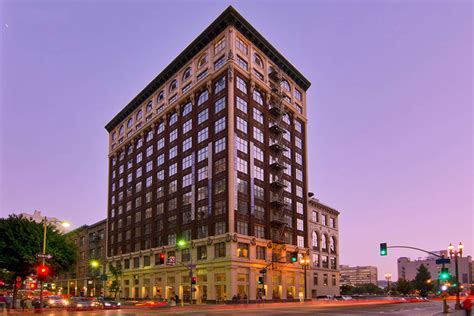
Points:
383	249
294	257
444	274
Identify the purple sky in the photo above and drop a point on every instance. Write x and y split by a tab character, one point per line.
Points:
390	106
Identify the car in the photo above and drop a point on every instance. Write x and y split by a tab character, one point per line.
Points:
324	297
81	303
106	303
56	301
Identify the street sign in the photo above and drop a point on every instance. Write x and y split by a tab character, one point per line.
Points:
171	260
191	266
443	261
41	255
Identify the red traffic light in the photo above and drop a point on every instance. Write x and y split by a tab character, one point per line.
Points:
162	258
33	286
42	272
193	280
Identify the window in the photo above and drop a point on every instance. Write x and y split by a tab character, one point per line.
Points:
220	186
257	97
285	85
139	115
242	145
160	97
203	61
299	224
138	173
242	250
185	255
203	116
149	151
241	125
202	231
242	186
173	152
298	126
300	241
172	205
161	127
258	173
187	126
203	135
160	175
220	45
149	181
187	73
139	158
258	153
160	159
298	95
219	105
298	142
314	216
241	104
201	252
299	207
149	136
257	134
187	108
187	180
299	175
130	123
261	253
257	115
242	228
219	125
242	63
220	165
324	242
242	165
219	145
219	85
202	173
202	75
202	154
219	250
323	219
171	240
187	143
299	158
172	169
173	118
121	130
220	228
219	63
259	231
241	46
257	60
202	193
241	85
187	161
173	85
203	97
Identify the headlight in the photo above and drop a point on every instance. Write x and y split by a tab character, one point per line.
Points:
79	305
65	302
50	302
107	304
118	304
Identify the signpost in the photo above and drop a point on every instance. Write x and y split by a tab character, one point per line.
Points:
443	261
43	256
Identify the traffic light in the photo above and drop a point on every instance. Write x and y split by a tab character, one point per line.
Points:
33	286
260	280
193	280
42	272
162	258
383	249
444	274
294	257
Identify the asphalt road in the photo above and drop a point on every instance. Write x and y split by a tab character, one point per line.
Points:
425	308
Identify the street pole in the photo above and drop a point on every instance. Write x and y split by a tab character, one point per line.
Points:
43	260
458	302
305	294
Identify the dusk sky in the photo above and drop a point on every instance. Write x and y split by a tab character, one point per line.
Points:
390	111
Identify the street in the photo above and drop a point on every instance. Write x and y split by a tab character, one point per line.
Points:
319	308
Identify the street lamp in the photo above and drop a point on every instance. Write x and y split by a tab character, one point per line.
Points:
45	223
388	277
182	244
456	253
305	263
95	264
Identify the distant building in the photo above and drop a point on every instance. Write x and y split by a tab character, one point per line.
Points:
38	218
358	275
323	233
407	268
84	279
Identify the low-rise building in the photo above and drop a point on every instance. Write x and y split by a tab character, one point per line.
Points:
407	268
358	275
323	232
84	278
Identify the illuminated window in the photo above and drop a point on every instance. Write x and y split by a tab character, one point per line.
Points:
242	249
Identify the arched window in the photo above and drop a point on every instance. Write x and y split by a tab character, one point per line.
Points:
149	106
114	135
203	97
202	61
186	108
257	96
129	123
332	244
187	73
324	242
314	239
149	136
160	97
285	85
257	60
173	85
161	127
139	115
121	130
271	69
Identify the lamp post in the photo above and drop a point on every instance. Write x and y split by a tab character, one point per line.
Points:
95	264
305	263
45	223
456	253
182	244
388	277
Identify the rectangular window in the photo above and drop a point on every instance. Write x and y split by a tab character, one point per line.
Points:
242	63
257	134
220	228
187	162
220	45
201	252
160	160
173	152
202	173
219	63
241	46
241	85
202	154
259	231
219	125
241	125
219	145
172	169
187	126
258	173
187	180
257	115
219	105
220	250
242	250
173	135
203	116
160	143
203	135
242	144
241	104
258	153
242	165
261	253
202	193
220	186
300	241
219	85
187	143
242	228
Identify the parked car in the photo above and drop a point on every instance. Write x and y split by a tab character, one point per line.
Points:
324	297
343	297
106	303
56	301
81	303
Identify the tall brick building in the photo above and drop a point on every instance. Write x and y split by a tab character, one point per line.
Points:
212	153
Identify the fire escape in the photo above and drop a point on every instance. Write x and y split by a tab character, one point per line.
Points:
277	166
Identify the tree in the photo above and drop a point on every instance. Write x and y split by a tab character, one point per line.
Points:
403	286
347	289
21	239
114	287
422	281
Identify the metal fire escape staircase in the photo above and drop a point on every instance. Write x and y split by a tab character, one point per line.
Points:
277	166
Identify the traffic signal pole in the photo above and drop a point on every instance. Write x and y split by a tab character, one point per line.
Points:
43	260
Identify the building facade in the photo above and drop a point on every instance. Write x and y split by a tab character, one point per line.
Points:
207	165
358	275
84	278
407	268
323	234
